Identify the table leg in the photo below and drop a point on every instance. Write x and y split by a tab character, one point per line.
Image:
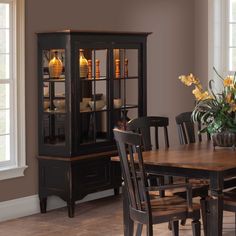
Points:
215	208
128	223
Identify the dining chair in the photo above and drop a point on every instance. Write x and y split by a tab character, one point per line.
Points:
188	133
187	130
141	208
143	125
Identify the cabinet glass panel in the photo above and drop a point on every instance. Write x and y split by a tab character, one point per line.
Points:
93	80
126	78
125	63
93	127
54	129
54	100
93	95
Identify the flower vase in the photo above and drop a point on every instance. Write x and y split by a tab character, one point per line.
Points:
224	139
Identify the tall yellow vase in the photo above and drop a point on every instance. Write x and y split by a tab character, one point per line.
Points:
55	66
83	65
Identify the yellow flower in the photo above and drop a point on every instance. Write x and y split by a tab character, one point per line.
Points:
232	107
189	79
228	81
228	97
200	95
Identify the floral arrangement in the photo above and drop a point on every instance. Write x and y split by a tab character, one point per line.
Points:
217	112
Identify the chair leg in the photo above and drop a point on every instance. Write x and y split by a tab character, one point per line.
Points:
175	228
149	230
183	222
196	228
235	223
203	203
139	230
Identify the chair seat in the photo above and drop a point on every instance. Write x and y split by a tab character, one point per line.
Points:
171	207
199	187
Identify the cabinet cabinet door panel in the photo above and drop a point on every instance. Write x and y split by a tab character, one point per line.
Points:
93	175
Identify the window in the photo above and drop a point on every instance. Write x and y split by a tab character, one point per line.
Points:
231	18
12	94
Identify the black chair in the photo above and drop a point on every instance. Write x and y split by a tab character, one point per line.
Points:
186	129
141	208
187	134
143	125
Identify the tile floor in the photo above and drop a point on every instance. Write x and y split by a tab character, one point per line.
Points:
96	218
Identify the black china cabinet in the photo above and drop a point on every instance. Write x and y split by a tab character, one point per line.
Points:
88	83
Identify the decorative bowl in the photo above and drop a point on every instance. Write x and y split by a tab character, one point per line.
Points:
117	103
83	106
59	103
224	139
46	104
98	105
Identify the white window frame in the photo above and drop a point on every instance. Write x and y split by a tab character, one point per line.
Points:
16	166
218	38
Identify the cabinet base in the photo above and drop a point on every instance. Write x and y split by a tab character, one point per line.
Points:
73	180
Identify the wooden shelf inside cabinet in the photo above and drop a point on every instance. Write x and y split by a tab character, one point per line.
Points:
47	111
54	80
101	78
126	78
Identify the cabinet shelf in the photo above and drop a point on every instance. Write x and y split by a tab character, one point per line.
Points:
48	111
54	80
105	78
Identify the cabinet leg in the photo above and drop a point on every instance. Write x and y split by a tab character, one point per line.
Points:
116	191
71	209
43	204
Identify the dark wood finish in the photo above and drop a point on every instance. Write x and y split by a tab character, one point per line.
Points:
143	125
187	134
205	162
71	163
73	180
142	208
186	129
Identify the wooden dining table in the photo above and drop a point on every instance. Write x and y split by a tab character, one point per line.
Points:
201	161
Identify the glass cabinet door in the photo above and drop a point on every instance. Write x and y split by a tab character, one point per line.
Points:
53	99
125	86
94	95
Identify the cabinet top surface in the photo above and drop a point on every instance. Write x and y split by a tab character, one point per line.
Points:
91	32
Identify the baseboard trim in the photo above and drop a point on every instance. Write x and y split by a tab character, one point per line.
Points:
26	206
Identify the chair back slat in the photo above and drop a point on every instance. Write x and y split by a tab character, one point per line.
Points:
187	130
133	169
142	125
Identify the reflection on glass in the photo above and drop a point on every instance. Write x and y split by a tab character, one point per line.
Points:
125	63
54	129
93	127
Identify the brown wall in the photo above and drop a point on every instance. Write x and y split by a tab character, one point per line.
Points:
170	53
201	40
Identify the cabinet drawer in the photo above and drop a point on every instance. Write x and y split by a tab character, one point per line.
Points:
93	175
